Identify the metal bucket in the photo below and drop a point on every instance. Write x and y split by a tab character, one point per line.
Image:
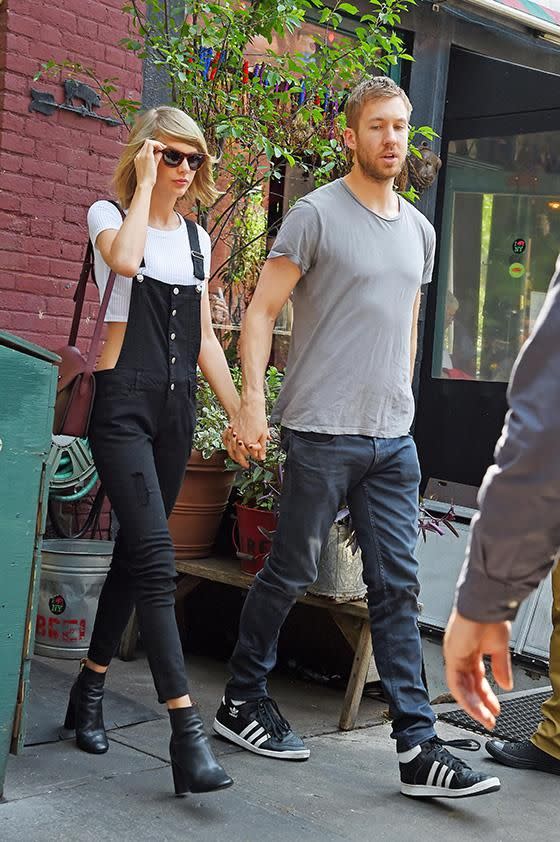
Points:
340	570
72	575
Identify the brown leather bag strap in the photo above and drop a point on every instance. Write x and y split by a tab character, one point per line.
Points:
79	298
80	294
96	338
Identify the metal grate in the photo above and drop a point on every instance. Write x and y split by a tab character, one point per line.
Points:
518	720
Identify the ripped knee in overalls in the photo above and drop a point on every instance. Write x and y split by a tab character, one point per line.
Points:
142	491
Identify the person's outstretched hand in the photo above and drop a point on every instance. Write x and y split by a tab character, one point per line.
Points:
464	645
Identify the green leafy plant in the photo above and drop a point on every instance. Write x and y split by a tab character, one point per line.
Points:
211	419
266	81
259	484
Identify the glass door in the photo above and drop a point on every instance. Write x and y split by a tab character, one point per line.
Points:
499	244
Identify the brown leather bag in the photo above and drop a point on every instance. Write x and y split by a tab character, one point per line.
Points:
76	383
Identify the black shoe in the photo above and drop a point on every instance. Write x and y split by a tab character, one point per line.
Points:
84	715
523	755
259	727
194	767
436	772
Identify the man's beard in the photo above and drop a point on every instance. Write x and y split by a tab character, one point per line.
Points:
374	171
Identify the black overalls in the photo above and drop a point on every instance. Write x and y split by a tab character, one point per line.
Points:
141	435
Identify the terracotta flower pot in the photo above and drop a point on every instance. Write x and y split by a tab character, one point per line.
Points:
196	516
253	545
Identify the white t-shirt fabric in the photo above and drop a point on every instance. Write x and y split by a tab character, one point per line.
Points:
167	257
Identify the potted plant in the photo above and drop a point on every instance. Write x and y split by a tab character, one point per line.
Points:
258	488
209	477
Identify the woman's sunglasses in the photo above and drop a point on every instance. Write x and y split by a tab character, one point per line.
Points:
174	158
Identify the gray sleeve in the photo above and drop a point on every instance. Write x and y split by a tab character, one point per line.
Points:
299	235
516	535
430	255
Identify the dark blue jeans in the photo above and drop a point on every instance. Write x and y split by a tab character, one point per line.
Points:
378	478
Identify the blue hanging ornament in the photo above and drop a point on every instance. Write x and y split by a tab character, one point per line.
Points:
205	55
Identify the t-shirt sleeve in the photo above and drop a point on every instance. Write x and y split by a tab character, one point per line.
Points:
430	255
298	237
206	250
102	216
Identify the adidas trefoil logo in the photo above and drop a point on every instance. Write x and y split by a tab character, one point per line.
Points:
233	711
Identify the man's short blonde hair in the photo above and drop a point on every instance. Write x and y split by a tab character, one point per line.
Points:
376	87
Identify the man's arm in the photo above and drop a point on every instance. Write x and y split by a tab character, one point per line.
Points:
414	332
248	432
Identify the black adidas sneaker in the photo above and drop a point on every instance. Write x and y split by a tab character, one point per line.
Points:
435	772
259	727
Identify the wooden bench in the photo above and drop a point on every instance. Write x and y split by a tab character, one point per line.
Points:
352	619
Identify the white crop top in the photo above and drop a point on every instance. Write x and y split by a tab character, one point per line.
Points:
167	257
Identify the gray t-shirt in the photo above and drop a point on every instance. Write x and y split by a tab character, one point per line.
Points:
348	368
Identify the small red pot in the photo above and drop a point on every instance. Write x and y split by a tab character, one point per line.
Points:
253	545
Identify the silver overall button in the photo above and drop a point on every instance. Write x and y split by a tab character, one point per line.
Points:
173	359
172	336
175	290
139	278
172	386
174	312
199	287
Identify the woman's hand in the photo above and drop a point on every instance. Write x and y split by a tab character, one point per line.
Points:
247	434
146	163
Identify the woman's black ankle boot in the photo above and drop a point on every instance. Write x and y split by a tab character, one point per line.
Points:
195	769
85	711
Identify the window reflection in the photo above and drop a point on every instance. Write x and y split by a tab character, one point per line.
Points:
500	240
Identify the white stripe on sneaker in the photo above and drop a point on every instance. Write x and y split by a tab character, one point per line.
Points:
433	772
290	754
448	778
441	775
251	727
252	738
258	743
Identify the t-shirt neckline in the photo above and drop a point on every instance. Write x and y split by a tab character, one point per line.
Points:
369	210
166	230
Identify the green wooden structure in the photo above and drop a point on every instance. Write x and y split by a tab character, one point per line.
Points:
28	376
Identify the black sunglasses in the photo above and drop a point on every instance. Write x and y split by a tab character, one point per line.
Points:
174	158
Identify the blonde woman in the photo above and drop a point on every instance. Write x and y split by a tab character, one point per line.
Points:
159	328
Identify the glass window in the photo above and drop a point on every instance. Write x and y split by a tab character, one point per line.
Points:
499	244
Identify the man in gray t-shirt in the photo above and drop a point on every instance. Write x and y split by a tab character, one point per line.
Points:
350	356
354	255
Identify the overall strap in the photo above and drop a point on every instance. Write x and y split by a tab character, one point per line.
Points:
196	254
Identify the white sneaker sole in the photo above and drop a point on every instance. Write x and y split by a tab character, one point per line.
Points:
295	754
423	791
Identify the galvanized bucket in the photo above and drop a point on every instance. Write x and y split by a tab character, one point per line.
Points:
72	575
340	570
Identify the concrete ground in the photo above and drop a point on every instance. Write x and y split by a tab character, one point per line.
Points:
348	790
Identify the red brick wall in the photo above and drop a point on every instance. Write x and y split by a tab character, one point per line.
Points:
53	168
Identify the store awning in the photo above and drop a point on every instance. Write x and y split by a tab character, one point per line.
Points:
543	17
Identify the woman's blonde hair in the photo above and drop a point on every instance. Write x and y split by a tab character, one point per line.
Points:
173	123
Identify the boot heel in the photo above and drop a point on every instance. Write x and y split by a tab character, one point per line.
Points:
70	719
179	780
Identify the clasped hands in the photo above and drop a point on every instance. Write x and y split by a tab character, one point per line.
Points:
246	436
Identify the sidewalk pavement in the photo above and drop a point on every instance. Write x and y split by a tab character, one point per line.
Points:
348	790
